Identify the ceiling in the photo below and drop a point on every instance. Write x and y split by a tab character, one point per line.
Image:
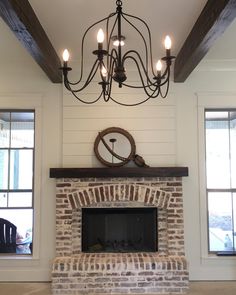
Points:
64	22
222	56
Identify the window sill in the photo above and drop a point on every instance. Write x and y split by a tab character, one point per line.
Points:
214	259
21	260
226	253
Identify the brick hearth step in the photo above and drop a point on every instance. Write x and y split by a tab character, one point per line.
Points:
119	273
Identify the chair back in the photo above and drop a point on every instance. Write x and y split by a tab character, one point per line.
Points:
7	236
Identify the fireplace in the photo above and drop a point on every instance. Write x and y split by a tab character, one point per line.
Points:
117	260
119	230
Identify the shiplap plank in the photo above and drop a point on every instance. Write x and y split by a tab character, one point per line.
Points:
130	124
91	161
118	112
150	136
70	100
85	149
140	136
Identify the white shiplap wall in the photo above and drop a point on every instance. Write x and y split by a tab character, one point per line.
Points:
152	125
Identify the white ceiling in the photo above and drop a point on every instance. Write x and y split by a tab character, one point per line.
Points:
222	56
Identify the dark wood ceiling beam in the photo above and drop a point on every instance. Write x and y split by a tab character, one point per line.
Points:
20	17
212	22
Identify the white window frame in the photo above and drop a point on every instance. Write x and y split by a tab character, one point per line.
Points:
209	101
31	102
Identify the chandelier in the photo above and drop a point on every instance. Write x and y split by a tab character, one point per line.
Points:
110	62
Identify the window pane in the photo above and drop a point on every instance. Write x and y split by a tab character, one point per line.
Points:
234	225
20	200
3	169
3	200
4	129
220	221
21	169
16	173
217	154
233	151
23	220
22	129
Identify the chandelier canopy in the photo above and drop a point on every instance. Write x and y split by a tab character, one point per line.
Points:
111	59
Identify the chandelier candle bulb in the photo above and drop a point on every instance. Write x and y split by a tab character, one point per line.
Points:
65	56
104	72
167	45
100	39
158	67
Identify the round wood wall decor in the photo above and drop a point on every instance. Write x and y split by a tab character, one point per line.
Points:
114	147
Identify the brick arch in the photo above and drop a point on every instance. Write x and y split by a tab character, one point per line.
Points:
119	193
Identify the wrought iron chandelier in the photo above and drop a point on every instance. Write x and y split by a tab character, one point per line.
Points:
109	66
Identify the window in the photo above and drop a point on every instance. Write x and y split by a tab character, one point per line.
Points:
220	135
16	179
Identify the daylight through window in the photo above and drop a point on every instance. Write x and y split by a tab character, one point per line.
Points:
16	181
220	134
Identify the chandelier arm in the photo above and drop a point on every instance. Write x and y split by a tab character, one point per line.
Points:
112	60
82	44
86	102
89	78
111	54
140	59
145	87
149	85
130	105
109	35
144	41
167	89
127	56
149	38
110	80
107	86
155	91
101	65
167	72
105	97
110	70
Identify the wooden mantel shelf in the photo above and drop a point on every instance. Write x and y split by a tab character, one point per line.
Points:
118	172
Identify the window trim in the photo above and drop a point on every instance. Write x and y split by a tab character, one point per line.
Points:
9	189
217	101
31	102
226	190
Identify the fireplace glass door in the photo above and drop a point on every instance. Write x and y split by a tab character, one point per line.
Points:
119	230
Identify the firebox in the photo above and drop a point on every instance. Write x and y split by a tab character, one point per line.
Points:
119	230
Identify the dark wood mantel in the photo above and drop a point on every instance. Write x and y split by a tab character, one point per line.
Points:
118	172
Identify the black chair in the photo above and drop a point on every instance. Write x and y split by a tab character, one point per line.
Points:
7	236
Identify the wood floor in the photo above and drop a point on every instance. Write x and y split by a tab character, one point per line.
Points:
196	288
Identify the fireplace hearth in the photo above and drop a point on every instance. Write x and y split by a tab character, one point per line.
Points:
124	230
98	245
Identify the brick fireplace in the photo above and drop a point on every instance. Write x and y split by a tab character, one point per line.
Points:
158	272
